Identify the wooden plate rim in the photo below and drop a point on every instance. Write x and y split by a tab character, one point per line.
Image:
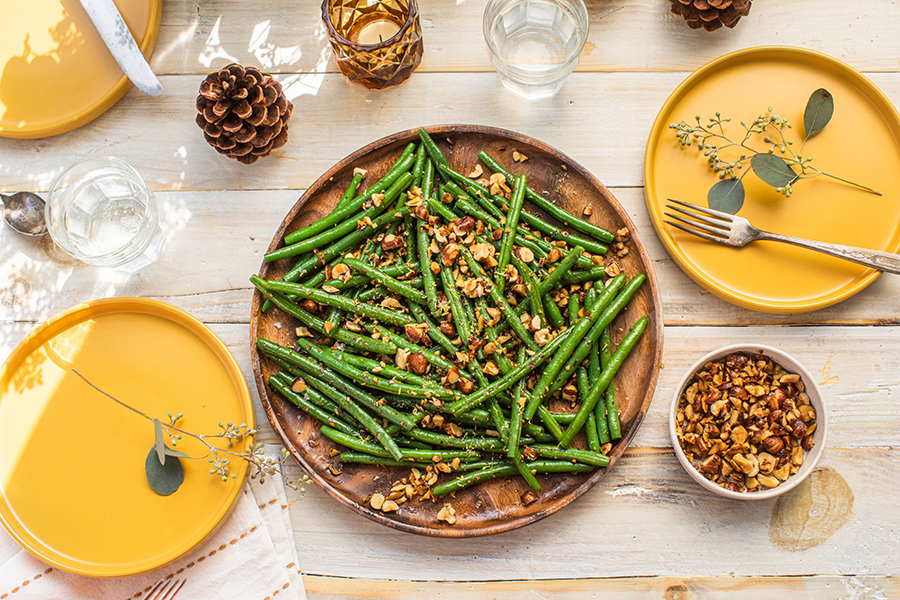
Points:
655	329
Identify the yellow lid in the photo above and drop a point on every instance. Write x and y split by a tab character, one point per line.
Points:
73	490
57	72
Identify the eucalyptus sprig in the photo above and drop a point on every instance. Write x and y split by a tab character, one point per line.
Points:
778	165
165	473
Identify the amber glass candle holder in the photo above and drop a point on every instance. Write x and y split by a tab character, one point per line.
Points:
377	43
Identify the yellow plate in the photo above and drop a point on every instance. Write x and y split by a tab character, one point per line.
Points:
860	144
72	485
57	72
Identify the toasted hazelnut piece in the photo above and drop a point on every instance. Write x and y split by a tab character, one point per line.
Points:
353	326
448	329
524	254
330	289
435	268
391	242
376	501
588	210
417	363
747	463
490	368
529	497
447	513
711	464
612	269
392	303
453	429
535	323
462	226
767	481
517	157
449	255
400	358
554	255
476	172
570	393
309	306
808	443
783	472
623	235
302	331
453	375
482	252
773	444
390	506
495	313
767	463
299	385
328	326
807	413
420	212
798	429
340	271
415	332
465	386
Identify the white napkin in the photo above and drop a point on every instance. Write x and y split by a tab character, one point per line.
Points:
252	556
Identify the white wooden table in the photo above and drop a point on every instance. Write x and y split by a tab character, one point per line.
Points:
646	527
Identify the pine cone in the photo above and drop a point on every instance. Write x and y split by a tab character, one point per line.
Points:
243	113
711	14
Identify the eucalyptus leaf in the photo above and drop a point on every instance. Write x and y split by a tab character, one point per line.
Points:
818	113
164	479
727	196
170	452
772	169
160	442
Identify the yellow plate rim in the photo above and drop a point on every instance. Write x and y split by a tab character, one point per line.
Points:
104	102
653	204
192	324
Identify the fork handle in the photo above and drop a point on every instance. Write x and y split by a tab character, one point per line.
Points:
883	261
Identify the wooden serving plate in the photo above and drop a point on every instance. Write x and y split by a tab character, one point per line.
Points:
492	506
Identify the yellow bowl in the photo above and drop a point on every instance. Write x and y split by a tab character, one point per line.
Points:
73	490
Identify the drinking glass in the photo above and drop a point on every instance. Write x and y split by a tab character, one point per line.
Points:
377	43
101	212
535	44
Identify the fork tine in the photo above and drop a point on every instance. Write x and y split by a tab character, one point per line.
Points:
699	234
165	589
720	233
715	222
176	586
709	211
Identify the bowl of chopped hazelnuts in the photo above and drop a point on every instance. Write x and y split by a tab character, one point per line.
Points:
748	422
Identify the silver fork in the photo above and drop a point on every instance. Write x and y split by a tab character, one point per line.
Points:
731	230
165	589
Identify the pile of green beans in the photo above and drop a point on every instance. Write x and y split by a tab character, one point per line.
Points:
440	322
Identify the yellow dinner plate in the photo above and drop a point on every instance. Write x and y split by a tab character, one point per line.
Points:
73	490
860	144
57	73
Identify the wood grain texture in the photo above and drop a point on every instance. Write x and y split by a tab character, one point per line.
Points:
668	588
636	35
492	506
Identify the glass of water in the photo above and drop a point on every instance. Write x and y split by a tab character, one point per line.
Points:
102	212
535	44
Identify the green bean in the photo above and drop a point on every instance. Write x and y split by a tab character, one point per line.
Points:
350	192
337	248
395	285
425	266
363	342
368	459
381	368
505	470
309	408
390	182
574	307
609	313
601	429
611	406
410	454
439	208
463	327
526	473
553	210
332	359
500	302
419	166
491	203
563	418
581	456
287	377
428	179
523	368
314	367
489	444
592	274
549	422
378	313
579	329
515	415
553	315
534	290
364	418
433	151
509	229
599	386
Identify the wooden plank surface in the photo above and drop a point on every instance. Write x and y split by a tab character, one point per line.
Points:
667	588
646	524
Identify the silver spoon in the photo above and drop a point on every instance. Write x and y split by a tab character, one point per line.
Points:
24	212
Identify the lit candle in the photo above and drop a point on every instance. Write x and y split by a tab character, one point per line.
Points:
377	32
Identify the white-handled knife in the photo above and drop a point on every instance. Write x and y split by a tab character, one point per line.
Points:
112	28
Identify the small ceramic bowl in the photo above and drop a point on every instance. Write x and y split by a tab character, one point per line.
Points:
790	365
